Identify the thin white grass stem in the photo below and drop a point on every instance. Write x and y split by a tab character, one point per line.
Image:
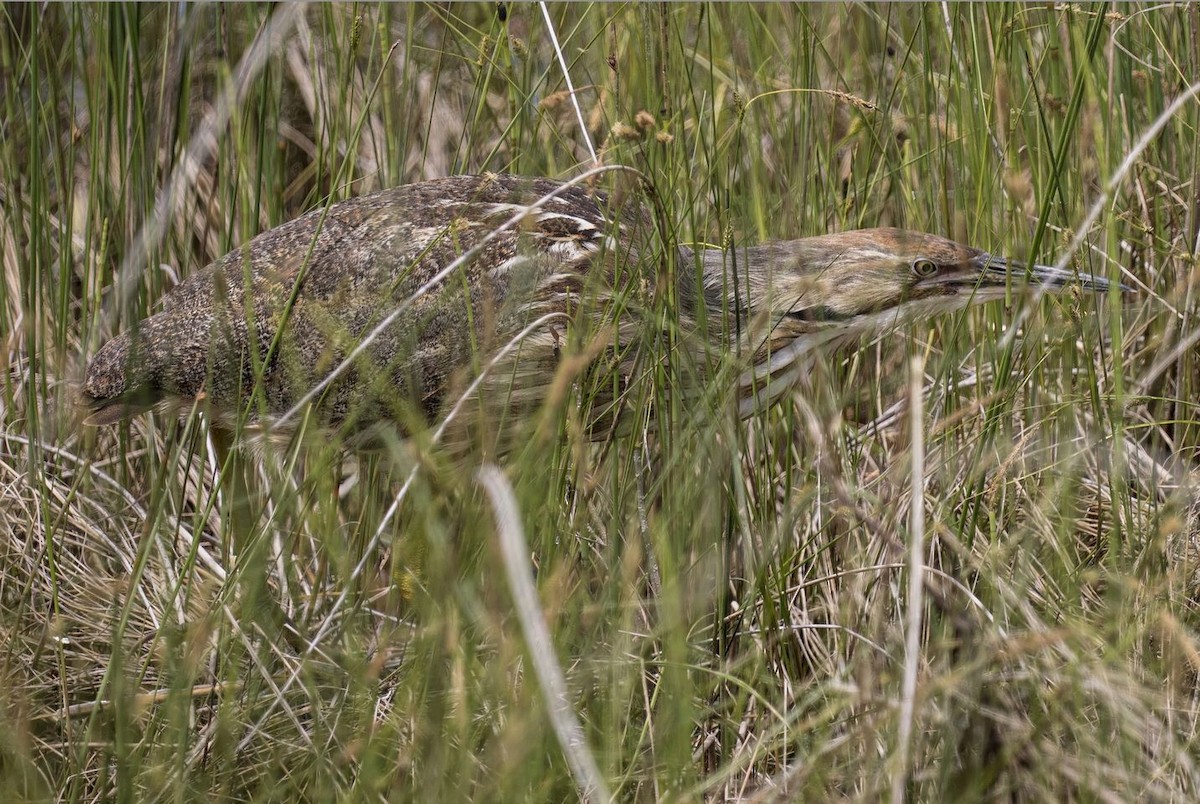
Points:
916	577
537	636
639	468
562	62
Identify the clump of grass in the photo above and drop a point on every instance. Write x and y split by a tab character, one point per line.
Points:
726	600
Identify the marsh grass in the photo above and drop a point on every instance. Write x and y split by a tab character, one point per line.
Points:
183	618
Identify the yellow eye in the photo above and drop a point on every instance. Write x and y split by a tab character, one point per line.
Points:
923	268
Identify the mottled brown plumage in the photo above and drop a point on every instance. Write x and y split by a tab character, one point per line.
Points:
348	267
291	304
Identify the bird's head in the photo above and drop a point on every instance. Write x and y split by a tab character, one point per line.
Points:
138	369
800	294
116	385
867	279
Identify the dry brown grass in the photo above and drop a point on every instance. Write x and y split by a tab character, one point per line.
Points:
184	620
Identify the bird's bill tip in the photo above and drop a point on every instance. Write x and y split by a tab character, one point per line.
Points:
1047	276
98	412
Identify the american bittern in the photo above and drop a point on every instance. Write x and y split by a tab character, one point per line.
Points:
261	327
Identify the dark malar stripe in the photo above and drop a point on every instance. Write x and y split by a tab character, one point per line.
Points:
818	314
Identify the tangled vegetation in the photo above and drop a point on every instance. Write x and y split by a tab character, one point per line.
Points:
185	616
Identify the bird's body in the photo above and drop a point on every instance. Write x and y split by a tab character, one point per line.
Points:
325	280
260	328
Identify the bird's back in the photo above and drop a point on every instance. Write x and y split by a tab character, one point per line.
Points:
291	304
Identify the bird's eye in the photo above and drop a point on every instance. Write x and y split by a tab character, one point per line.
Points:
923	269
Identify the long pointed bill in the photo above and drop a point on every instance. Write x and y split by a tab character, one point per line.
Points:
998	271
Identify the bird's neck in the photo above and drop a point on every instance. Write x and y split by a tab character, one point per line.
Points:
731	282
731	293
